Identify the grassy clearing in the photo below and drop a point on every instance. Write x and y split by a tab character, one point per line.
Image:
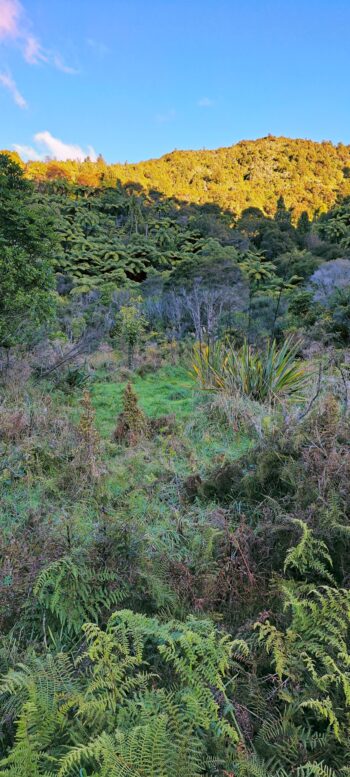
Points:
170	390
135	474
163	392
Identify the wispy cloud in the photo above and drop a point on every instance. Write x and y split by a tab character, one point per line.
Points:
33	52
163	118
15	28
60	65
46	145
27	152
8	83
205	102
10	13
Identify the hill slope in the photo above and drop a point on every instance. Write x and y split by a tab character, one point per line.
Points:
309	175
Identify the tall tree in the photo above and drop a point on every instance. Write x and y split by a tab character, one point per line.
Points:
26	249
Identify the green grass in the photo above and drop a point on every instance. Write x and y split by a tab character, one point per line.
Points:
166	391
215	444
170	390
200	442
17	501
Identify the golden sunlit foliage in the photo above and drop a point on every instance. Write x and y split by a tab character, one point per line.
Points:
309	175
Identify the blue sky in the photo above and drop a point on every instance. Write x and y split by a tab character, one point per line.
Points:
133	79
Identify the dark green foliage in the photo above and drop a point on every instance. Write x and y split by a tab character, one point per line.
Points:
328	319
26	248
303	307
304	225
72	378
212	263
336	316
334	226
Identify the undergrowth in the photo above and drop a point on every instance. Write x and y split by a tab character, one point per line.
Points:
222	532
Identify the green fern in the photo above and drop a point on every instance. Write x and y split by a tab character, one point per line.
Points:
74	593
312	662
316	770
309	556
35	694
143	698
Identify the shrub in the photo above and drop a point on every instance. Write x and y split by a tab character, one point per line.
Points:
132	422
265	377
87	459
72	378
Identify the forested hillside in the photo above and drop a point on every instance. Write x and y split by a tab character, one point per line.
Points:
175	465
309	175
256	269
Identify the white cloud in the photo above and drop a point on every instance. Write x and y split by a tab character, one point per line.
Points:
205	102
27	152
162	118
33	52
60	65
15	26
48	145
60	150
8	83
10	13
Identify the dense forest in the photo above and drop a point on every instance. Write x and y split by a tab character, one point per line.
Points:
174	464
309	175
